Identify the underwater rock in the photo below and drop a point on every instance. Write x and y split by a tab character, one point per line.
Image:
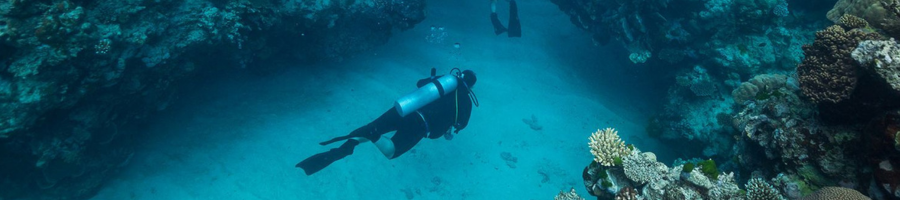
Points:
509	159
533	123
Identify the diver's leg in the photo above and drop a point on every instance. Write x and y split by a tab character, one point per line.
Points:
385	123
515	29
319	161
498	27
408	135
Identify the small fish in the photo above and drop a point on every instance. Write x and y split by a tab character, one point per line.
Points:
762	44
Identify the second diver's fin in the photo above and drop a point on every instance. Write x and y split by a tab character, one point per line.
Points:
515	29
498	27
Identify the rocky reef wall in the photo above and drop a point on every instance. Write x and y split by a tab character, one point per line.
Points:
73	72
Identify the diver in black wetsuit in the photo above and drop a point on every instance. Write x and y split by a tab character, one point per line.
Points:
515	28
450	111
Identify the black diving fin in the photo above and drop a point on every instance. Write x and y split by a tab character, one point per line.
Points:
319	161
515	28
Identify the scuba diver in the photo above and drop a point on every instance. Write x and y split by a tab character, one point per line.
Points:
515	29
439	105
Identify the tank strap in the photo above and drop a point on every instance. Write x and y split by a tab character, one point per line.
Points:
456	106
427	129
439	86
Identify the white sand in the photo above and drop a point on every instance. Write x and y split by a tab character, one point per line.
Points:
239	137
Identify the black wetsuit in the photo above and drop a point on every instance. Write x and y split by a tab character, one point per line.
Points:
451	110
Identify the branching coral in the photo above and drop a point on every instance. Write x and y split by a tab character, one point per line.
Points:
571	195
759	189
852	22
627	193
828	74
606	146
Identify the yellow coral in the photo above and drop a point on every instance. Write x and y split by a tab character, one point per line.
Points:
607	146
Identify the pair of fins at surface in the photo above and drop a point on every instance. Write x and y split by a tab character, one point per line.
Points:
515	28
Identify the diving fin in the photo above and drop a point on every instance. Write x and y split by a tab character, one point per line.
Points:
335	140
319	161
498	27
515	28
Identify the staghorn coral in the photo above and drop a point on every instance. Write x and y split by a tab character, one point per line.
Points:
828	74
852	22
759	189
571	195
606	146
827	193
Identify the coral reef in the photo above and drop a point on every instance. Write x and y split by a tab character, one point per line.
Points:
742	36
641	176
606	146
872	11
694	110
89	67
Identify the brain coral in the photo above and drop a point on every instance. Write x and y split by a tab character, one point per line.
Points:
836	193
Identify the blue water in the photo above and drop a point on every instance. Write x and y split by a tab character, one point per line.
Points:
237	135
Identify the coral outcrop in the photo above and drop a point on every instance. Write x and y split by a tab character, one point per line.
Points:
828	74
641	176
606	146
